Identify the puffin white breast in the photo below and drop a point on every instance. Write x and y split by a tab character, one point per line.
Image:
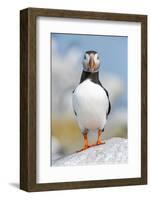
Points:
90	103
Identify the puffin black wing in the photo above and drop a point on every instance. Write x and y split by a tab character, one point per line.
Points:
107	94
74	110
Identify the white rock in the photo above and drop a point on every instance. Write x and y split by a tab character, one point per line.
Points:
114	151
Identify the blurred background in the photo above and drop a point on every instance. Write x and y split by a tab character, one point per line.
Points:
67	55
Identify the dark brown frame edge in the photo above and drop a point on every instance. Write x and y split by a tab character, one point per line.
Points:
28	98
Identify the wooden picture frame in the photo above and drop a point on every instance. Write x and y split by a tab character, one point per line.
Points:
28	98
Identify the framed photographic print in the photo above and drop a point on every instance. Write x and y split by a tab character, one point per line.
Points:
83	99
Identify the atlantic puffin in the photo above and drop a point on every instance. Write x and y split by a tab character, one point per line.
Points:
91	103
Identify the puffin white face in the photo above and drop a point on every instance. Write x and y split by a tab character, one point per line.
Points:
91	61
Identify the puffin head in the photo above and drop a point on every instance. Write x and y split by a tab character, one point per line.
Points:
91	61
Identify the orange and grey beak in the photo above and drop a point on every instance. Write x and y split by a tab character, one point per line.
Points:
92	64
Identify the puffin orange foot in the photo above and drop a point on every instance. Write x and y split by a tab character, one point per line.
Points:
86	144
99	140
84	148
98	143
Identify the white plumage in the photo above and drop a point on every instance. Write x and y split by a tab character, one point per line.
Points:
90	103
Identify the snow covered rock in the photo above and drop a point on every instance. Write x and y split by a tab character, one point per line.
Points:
114	151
